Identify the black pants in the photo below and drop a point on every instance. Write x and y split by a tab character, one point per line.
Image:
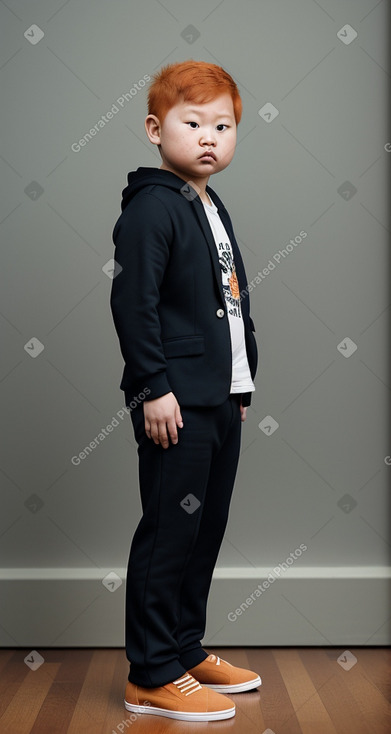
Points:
185	494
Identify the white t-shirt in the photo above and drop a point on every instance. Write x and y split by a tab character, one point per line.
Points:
241	376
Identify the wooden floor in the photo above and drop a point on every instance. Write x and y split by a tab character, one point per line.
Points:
304	691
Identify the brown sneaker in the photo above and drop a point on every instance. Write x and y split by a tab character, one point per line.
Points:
184	698
223	677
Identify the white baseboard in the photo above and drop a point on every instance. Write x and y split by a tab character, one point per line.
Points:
316	606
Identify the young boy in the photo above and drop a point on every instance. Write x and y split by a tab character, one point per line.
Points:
181	312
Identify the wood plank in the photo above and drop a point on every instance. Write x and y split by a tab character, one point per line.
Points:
370	702
325	673
309	709
62	697
92	703
5	657
21	712
13	674
377	666
275	702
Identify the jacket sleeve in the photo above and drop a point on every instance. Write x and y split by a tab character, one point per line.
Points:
142	238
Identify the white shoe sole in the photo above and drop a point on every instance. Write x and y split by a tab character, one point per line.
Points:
235	688
182	715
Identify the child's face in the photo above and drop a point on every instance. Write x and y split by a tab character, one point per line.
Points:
189	130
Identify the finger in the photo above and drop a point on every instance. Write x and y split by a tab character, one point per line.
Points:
154	432
172	430
163	438
178	417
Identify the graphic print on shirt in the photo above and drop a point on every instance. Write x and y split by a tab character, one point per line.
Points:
229	279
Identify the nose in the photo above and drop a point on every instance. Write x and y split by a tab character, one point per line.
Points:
208	137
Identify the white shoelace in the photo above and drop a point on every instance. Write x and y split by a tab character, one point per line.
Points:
218	660
187	682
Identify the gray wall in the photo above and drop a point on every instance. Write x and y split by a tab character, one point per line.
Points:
314	468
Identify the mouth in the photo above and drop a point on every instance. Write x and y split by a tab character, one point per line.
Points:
208	156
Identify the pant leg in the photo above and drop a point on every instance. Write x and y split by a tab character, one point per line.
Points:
164	539
199	568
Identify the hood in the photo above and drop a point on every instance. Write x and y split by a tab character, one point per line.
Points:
147	177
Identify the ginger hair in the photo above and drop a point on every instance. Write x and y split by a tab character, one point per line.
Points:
190	81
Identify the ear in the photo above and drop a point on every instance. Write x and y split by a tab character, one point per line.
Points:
153	128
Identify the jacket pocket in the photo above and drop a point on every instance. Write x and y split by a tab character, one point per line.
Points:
183	346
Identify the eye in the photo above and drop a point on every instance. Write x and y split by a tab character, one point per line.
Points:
193	123
220	126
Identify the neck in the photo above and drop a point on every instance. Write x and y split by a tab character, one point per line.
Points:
201	181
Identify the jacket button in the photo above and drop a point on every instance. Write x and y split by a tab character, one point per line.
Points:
220	313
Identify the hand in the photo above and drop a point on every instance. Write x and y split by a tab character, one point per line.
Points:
243	412
161	414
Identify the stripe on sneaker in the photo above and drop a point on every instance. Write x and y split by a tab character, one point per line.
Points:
186	683
179	680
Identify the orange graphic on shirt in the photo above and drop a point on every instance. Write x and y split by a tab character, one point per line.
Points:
234	285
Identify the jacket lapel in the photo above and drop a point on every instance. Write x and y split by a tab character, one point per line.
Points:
240	271
203	220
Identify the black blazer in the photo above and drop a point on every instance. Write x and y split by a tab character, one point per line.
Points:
167	297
